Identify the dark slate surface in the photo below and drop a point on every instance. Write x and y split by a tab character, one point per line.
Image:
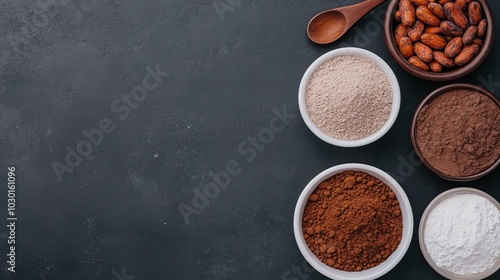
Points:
70	66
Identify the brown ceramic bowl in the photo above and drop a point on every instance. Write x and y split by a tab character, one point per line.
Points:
455	73
415	143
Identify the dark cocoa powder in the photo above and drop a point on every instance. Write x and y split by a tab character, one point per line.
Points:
458	132
352	221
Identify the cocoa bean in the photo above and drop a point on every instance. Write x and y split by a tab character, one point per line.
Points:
397	16
426	16
437	9
470	34
477	41
442	59
416	31
456	15
415	61
449	28
466	55
406	47
454	47
432	30
400	32
475	13
407	12
462	5
419	2
423	52
435	67
434	41
481	28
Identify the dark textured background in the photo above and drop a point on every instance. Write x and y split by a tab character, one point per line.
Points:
116	215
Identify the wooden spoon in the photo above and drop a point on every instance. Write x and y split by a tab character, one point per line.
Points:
328	26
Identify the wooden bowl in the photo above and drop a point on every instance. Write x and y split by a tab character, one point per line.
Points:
413	132
453	74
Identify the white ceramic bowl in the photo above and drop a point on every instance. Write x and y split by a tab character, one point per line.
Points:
373	272
396	96
421	231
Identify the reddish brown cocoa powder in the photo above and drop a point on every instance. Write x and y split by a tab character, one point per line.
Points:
352	221
458	132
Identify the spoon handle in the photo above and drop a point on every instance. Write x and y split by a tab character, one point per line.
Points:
354	12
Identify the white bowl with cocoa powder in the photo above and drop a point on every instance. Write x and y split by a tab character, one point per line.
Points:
396	192
349	97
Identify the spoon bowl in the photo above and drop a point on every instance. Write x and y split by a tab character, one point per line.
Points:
328	26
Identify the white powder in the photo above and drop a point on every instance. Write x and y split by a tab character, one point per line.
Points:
349	97
462	234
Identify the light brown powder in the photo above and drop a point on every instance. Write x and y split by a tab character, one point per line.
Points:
349	97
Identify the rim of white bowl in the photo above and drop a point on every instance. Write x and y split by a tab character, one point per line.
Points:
421	231
372	273
396	96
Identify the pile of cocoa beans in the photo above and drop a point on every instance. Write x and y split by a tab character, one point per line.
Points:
437	35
